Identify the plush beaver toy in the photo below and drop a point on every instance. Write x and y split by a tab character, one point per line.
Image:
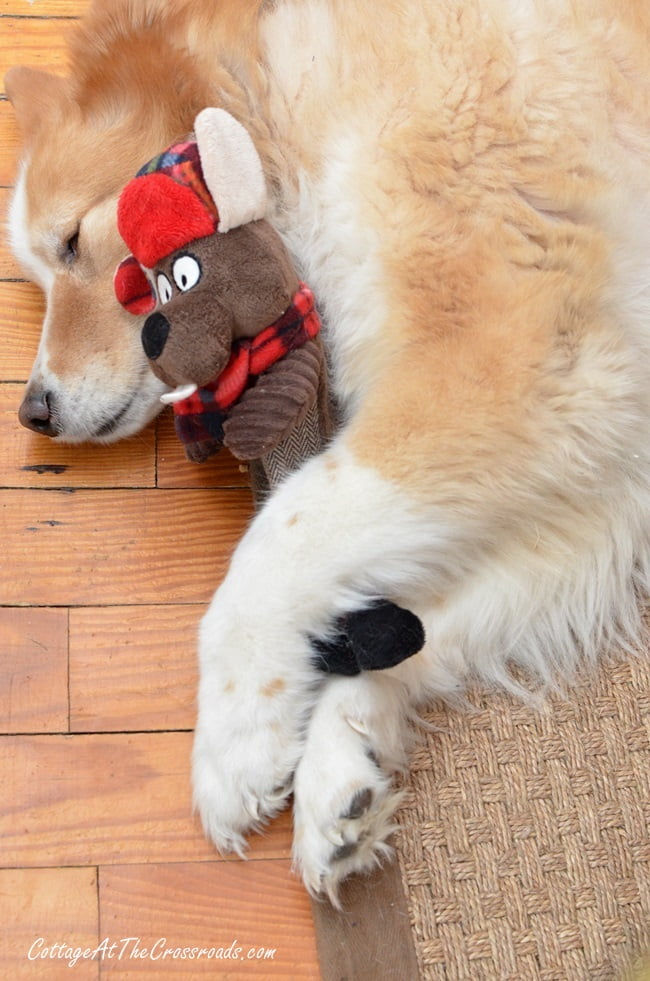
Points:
234	332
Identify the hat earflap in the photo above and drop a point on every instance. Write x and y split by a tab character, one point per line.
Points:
132	288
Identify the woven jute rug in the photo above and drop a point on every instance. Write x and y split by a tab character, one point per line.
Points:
524	839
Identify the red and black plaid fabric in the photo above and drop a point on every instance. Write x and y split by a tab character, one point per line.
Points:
166	205
199	419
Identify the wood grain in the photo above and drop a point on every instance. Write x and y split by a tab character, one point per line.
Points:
22	308
43	8
257	909
33	670
370	939
118	547
9	143
221	470
29	460
52	905
133	668
39	43
106	799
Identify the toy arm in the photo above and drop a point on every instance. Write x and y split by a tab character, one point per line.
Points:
279	401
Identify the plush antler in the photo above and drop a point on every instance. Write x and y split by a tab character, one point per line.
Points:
231	167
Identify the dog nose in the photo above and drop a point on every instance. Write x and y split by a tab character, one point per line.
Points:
35	413
154	335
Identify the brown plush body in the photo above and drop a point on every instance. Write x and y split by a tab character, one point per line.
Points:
247	281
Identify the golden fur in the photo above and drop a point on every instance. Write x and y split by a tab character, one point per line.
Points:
467	188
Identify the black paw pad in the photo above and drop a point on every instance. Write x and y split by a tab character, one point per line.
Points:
359	805
372	756
345	851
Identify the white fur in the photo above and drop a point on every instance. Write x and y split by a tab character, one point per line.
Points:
300	565
340	258
356	738
18	227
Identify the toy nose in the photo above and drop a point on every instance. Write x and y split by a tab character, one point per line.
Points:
154	335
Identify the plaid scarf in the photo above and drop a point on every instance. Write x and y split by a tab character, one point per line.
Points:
199	419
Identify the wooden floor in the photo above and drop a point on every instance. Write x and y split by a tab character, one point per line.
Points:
109	556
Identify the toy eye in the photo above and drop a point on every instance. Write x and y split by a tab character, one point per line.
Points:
187	272
164	288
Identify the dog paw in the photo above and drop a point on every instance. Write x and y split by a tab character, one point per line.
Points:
250	730
344	807
238	793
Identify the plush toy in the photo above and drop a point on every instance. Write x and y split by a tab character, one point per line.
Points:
234	332
230	328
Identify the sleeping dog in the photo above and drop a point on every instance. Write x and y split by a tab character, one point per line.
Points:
466	187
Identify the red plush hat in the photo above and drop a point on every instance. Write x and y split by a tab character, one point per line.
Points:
171	187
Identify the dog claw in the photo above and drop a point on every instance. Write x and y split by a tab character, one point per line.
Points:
356	725
253	808
335	837
281	792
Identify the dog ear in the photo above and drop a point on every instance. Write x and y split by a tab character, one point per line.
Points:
231	167
132	288
33	94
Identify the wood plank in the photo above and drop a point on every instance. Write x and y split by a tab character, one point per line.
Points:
53	906
119	547
133	668
174	470
43	8
22	308
107	799
10	143
257	910
30	460
33	671
370	940
37	42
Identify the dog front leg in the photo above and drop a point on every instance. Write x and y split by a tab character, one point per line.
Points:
334	536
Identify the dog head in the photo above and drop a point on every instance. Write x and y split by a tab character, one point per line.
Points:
83	140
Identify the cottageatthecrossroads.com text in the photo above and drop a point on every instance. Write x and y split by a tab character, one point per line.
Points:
133	948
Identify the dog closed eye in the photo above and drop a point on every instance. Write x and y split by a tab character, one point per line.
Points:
70	249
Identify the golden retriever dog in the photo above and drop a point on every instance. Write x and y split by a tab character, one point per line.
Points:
466	188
